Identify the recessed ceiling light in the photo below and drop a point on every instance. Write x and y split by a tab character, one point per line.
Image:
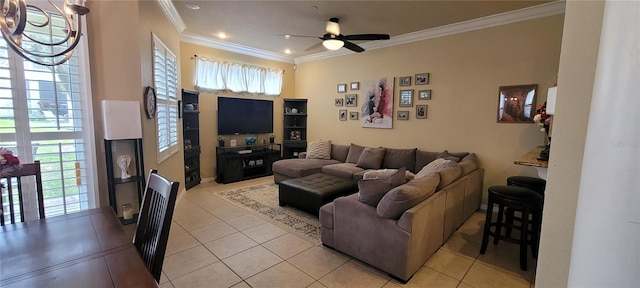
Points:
222	35
287	51
287	36
192	6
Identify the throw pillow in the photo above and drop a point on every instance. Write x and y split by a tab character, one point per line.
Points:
371	158
320	149
354	153
339	152
396	158
424	157
434	166
372	190
379	174
399	199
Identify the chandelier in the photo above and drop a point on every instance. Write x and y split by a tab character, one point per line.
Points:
50	51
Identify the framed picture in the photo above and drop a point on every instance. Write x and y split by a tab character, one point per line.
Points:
424	95
403	115
377	103
406	98
353	115
516	104
339	102
355	86
342	88
405	81
342	114
421	111
422	79
351	100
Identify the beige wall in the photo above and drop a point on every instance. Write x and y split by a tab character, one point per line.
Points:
583	22
120	68
209	101
466	71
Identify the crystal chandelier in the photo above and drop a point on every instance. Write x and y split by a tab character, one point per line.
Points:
54	50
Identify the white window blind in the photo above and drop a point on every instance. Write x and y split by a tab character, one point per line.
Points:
165	77
214	75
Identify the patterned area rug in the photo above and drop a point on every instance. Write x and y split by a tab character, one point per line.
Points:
263	199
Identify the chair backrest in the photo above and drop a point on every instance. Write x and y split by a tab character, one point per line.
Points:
154	221
15	176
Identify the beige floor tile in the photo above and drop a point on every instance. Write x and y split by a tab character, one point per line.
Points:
180	242
427	277
450	264
229	212
283	275
318	261
476	219
390	284
214	275
481	276
316	284
469	233
230	245
464	285
245	222
264	232
187	261
198	221
462	247
163	278
252	261
166	285
352	275
176	228
187	209
287	246
379	272
506	257
241	285
212	232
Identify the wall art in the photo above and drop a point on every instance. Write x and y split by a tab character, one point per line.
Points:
351	100
377	103
516	104
406	98
424	95
421	111
422	79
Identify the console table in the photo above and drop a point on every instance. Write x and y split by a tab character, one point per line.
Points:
531	159
245	162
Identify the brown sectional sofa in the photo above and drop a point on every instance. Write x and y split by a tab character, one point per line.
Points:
396	245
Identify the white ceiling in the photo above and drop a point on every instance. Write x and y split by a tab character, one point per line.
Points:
256	25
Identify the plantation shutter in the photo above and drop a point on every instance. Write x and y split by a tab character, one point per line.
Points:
166	84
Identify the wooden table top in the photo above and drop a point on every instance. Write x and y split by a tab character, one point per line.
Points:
85	249
531	159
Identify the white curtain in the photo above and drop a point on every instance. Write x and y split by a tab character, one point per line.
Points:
214	75
606	241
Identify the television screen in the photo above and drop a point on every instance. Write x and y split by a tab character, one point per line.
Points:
244	116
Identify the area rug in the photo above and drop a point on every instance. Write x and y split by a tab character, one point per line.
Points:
263	199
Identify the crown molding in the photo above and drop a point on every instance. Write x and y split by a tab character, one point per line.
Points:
535	12
172	14
236	48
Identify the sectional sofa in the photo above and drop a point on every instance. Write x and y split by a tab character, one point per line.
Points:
398	233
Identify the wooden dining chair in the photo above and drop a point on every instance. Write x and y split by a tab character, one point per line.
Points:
13	179
154	221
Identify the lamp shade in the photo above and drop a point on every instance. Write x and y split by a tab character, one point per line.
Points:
332	44
121	120
551	100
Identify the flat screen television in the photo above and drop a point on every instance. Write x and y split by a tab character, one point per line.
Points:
244	116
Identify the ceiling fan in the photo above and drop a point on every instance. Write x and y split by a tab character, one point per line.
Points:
333	40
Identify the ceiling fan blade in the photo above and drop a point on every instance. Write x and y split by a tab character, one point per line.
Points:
367	37
291	35
316	46
352	47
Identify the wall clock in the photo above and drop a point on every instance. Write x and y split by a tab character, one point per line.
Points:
150	102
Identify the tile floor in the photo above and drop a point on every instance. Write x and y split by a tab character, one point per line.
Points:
214	243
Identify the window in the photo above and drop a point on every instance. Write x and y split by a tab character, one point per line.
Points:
45	116
165	78
216	75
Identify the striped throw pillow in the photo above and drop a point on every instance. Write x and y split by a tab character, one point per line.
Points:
320	149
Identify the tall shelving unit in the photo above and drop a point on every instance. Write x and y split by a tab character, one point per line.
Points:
295	127
191	136
137	178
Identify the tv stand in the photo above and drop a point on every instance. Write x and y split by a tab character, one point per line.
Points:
245	162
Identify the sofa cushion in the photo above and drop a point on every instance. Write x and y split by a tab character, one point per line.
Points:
425	157
435	166
342	170
448	175
296	168
319	149
371	190
407	195
459	155
371	158
339	152
396	158
386	173
354	153
468	164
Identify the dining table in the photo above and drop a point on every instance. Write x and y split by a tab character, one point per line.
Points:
84	249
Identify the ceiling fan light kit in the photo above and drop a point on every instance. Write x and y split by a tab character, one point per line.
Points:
333	40
332	44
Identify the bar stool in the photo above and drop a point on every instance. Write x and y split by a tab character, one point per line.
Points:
531	183
520	199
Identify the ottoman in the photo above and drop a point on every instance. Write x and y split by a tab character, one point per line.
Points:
309	193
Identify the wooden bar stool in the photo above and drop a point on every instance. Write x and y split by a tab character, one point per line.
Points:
519	199
532	183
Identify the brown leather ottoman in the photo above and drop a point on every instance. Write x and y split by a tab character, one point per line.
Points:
309	193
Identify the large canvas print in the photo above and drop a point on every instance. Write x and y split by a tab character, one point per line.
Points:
377	103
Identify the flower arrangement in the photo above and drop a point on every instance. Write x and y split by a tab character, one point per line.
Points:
542	118
8	162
